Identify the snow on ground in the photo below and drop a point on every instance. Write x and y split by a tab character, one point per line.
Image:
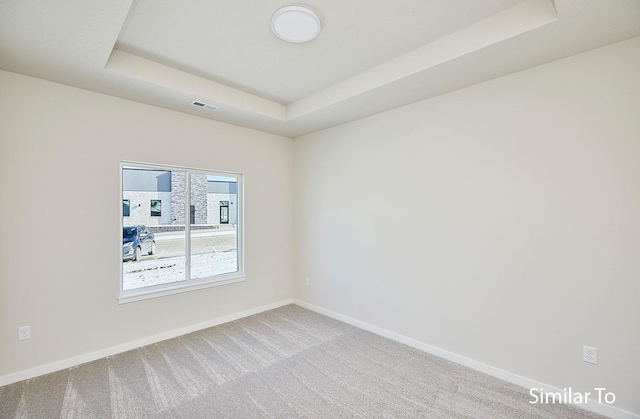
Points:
164	271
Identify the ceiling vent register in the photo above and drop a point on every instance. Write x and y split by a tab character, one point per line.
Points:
206	106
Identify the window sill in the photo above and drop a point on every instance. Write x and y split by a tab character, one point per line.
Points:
140	294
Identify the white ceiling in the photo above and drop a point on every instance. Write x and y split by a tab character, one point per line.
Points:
229	41
371	55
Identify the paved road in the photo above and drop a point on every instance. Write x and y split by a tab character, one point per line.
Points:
173	246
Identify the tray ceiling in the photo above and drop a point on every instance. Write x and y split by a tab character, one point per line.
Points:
371	56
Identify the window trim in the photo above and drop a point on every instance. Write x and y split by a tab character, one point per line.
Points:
185	285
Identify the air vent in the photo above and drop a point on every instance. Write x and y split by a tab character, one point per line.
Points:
203	105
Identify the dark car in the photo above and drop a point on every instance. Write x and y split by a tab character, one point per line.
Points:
137	240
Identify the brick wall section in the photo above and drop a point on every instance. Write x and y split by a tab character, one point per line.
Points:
199	197
178	186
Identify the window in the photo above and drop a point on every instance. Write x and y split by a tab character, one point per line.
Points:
224	212
192	241
156	208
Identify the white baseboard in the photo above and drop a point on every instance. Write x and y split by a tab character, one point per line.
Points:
114	350
592	405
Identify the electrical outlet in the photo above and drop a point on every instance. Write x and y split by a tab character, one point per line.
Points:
590	355
24	332
306	281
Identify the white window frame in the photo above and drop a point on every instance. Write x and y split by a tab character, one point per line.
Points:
188	284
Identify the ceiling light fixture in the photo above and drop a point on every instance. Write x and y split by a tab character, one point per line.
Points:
295	24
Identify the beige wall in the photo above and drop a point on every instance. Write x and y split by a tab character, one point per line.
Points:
59	161
500	222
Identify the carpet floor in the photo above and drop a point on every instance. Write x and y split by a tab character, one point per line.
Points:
284	363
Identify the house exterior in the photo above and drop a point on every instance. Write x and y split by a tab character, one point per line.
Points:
157	198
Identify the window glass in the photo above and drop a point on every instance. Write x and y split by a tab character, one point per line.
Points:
214	240
152	256
156	208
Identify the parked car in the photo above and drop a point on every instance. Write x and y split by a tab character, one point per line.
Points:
136	241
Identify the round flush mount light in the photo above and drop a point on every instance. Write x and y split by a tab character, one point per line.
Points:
295	24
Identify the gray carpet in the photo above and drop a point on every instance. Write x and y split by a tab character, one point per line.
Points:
284	363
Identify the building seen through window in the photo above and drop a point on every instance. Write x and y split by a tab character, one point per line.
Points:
164	248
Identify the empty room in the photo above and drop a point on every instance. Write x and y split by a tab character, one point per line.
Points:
325	209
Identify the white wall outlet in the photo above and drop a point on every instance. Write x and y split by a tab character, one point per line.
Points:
590	355
24	332
306	281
